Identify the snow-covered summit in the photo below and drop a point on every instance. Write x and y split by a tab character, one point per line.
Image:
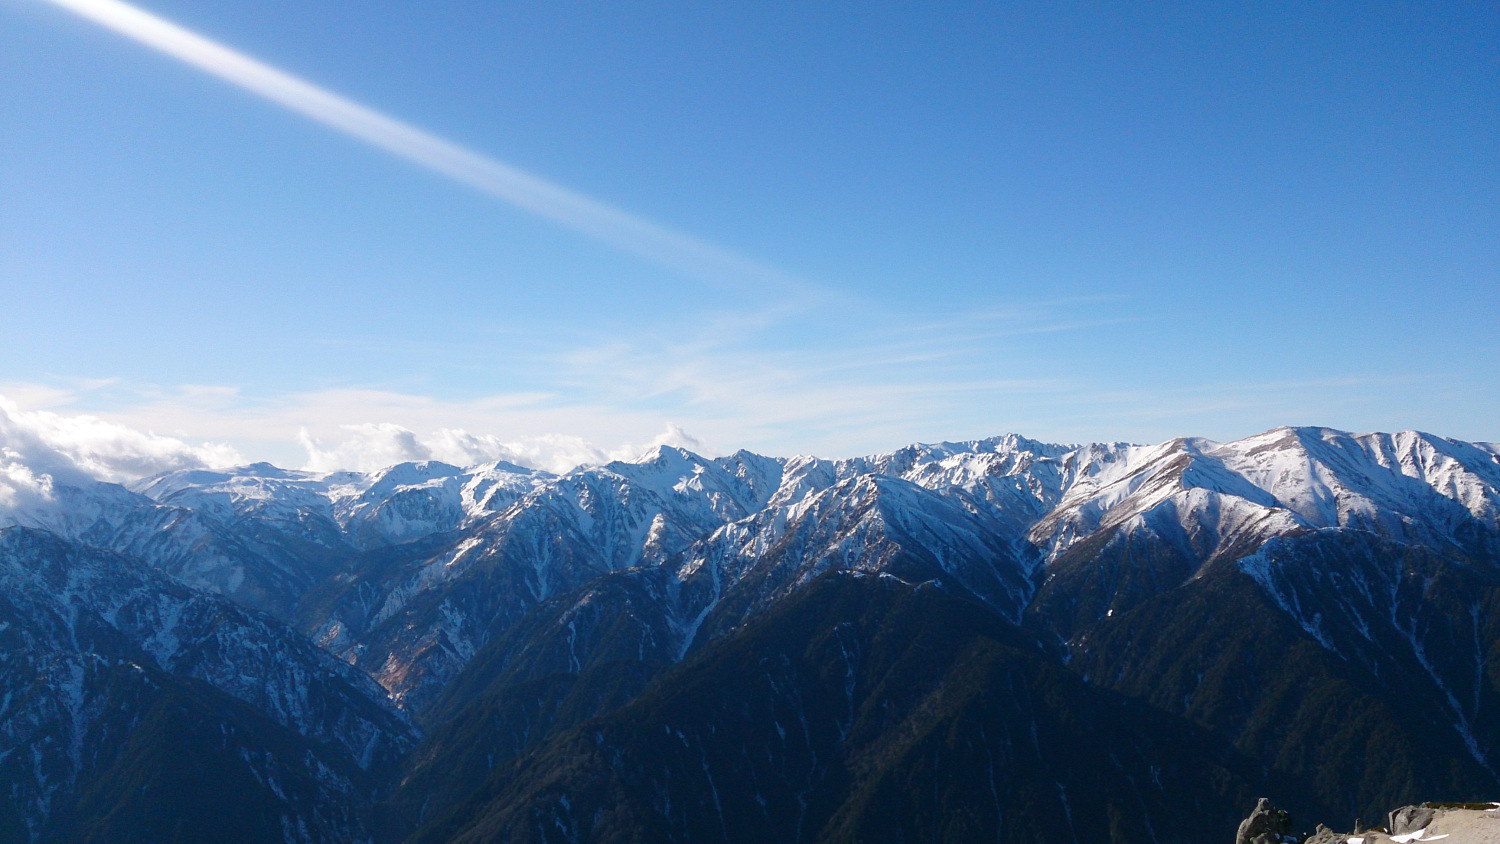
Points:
998	513
1408	486
397	504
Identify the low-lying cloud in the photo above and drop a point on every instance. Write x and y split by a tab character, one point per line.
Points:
41	450
372	446
83	447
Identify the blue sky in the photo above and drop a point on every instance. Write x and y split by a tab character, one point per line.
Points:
1079	222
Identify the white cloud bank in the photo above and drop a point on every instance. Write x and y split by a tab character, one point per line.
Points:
75	448
372	446
40	449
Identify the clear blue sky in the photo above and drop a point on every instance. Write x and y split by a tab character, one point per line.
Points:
1076	221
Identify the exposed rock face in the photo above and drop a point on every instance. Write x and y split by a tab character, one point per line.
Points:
1454	823
1266	825
129	700
1410	819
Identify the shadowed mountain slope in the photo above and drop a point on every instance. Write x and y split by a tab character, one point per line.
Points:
960	641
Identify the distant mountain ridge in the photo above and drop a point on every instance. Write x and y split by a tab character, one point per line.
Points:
506	609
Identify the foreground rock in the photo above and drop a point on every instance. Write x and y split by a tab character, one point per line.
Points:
1266	825
1452	823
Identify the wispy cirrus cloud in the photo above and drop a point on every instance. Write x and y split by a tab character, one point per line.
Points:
529	192
730	381
727	378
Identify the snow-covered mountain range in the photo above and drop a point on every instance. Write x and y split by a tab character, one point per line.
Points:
289	592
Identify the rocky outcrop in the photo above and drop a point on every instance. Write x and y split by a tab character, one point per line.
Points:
1266	825
1410	819
1454	823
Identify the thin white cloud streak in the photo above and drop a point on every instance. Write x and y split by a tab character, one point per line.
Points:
524	190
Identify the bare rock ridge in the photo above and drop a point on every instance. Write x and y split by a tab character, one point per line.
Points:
1453	823
999	639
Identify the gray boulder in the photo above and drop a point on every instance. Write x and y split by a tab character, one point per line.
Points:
1410	819
1266	825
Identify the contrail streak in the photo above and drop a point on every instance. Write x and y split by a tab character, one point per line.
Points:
524	190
